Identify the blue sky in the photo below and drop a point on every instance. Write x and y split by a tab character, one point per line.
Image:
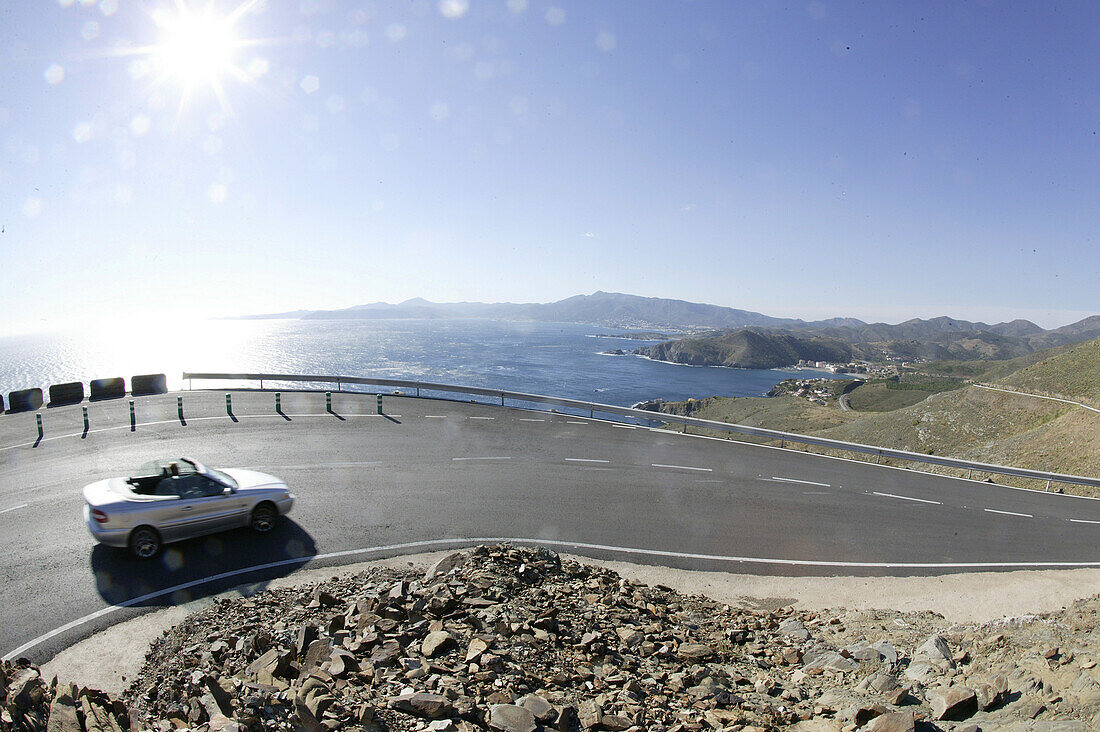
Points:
813	159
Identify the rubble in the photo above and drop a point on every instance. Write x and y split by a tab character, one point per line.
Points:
518	640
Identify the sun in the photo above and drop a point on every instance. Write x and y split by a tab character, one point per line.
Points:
198	49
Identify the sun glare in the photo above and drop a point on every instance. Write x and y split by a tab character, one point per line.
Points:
197	48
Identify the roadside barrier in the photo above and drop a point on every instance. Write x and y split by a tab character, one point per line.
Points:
107	389
179	407
147	384
70	393
1	402
610	409
25	400
85	419
133	419
38	420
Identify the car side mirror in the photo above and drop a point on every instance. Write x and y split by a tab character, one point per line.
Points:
228	491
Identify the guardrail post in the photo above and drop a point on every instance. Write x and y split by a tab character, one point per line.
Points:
38	419
229	405
328	401
418	392
380	404
1048	485
133	419
591	413
339	386
179	407
502	399
278	401
85	418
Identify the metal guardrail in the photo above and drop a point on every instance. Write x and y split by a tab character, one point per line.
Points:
593	407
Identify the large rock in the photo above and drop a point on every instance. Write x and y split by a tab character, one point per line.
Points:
511	718
954	704
445	565
422	704
63	717
436	643
695	652
892	722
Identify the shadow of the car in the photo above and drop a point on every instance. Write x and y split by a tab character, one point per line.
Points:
200	567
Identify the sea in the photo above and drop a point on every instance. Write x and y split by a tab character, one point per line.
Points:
551	359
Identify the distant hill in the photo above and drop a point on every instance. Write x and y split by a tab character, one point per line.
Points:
602	308
749	349
968	422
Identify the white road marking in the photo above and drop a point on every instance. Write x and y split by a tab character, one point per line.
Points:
482	458
482	418
708	481
413	545
13	508
585	460
624	426
1076	521
906	498
435	416
680	467
796	480
528	419
572	422
588	468
1008	513
816	493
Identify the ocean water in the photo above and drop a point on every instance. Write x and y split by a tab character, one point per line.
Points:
554	359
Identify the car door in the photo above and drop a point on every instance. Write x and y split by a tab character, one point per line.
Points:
211	507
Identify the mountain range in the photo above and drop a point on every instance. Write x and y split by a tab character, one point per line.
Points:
779	338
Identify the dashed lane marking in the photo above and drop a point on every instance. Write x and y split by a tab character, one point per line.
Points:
528	419
1076	521
585	460
13	508
906	498
482	418
681	467
624	426
317	466
796	480
1008	513
435	416
481	458
572	422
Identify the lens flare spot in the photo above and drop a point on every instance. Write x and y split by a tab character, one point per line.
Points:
54	74
173	559
310	83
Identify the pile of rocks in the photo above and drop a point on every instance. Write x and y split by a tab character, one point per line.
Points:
517	640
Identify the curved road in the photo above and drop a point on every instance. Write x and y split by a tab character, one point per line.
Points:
437	474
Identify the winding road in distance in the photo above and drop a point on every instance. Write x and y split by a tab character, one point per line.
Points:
431	475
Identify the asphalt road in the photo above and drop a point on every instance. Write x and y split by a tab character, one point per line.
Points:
433	474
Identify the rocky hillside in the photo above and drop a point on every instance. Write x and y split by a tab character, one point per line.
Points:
518	640
749	349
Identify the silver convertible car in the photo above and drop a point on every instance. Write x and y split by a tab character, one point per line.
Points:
172	500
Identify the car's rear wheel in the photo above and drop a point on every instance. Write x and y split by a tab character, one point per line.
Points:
264	517
145	542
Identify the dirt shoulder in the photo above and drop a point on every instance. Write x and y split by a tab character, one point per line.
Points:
108	660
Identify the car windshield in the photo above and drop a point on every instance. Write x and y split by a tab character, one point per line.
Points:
220	476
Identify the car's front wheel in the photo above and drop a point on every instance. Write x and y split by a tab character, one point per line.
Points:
263	518
145	542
